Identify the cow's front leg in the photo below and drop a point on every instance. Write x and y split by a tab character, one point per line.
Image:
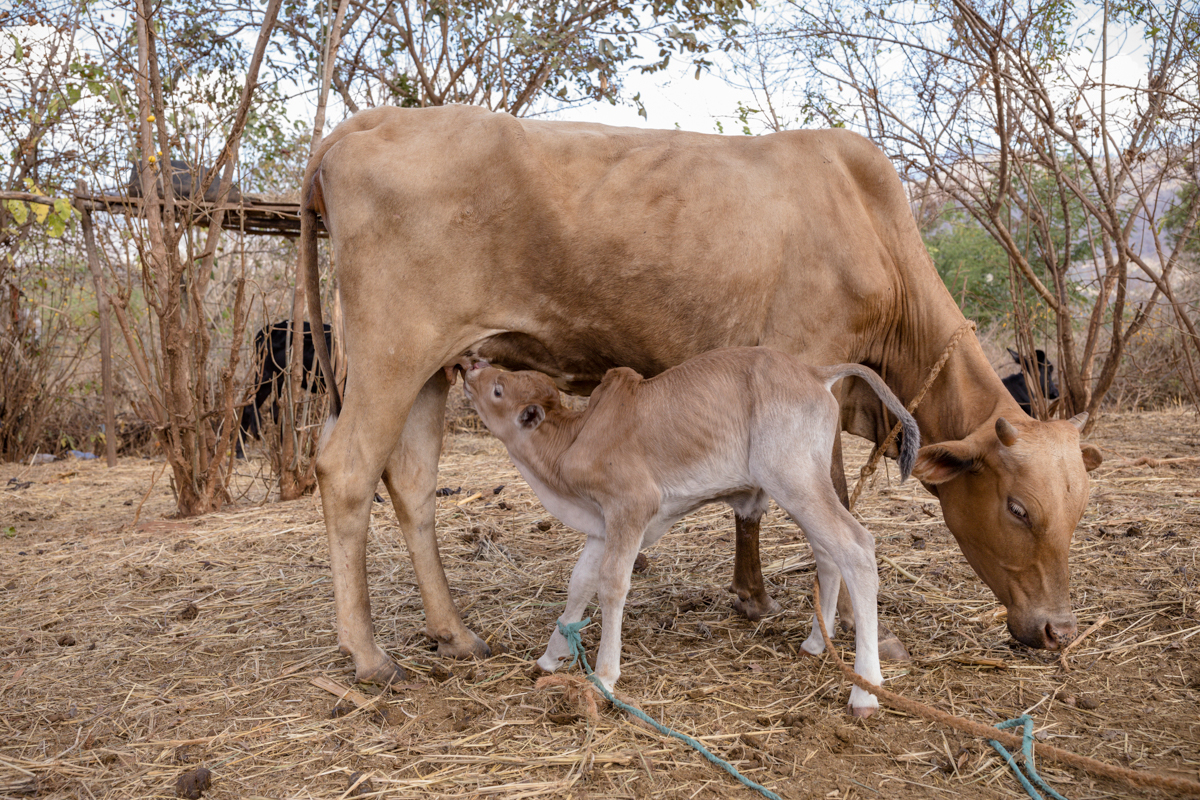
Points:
580	591
751	598
411	480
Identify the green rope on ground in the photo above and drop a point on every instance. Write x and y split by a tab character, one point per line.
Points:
1027	751
571	631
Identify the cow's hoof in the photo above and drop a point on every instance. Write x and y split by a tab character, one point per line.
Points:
389	674
469	646
890	647
861	713
755	610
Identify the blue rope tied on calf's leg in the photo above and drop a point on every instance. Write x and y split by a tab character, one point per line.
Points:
1027	751
575	642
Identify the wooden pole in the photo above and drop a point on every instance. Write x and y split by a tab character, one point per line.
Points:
93	257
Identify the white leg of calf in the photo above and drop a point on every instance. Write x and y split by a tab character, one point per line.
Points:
837	537
831	580
580	592
614	588
857	563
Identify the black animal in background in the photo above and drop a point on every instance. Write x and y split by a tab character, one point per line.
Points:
271	356
181	183
1044	372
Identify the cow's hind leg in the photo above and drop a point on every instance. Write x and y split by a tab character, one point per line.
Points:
411	480
348	469
360	444
751	598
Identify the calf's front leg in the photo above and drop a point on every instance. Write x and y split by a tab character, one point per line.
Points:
621	549
580	592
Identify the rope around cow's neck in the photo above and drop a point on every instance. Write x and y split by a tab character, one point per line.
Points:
972	728
869	468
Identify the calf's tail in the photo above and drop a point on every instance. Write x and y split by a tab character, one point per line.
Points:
910	438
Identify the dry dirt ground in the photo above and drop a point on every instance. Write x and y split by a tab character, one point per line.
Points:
135	649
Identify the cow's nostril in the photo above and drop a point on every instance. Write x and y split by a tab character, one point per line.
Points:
1059	634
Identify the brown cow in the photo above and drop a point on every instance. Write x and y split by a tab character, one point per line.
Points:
734	425
572	248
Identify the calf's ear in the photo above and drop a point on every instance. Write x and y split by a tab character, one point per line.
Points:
531	416
938	463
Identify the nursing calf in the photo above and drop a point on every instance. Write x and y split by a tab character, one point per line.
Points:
735	425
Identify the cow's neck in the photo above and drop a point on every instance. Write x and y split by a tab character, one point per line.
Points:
965	396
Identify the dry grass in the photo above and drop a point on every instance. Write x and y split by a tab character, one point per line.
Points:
133	653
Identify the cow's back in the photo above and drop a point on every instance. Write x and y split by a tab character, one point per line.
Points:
573	247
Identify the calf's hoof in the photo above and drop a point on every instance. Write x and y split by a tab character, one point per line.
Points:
862	703
547	664
756	609
861	713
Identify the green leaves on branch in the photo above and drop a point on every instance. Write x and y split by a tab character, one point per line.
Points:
54	215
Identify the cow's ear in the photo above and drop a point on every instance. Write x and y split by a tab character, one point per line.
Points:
531	416
938	463
1091	457
1005	432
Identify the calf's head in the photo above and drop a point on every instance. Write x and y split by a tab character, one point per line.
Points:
511	404
1012	494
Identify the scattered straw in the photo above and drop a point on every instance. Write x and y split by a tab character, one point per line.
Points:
1078	640
196	643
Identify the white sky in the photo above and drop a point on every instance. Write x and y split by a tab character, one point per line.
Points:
673	97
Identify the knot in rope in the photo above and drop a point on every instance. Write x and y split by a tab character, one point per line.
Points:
571	631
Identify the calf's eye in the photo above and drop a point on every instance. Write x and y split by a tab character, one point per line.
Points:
496	390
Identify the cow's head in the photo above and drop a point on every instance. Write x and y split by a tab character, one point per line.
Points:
511	404
1012	494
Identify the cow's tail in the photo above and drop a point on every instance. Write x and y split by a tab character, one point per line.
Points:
312	202
910	438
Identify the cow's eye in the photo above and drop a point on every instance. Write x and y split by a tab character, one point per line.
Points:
1018	511
496	390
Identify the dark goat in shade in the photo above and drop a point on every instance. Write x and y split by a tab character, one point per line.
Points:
271	356
1044	372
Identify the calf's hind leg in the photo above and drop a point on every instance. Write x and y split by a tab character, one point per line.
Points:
890	646
841	545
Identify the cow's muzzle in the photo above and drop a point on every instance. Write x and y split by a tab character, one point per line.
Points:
1043	631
